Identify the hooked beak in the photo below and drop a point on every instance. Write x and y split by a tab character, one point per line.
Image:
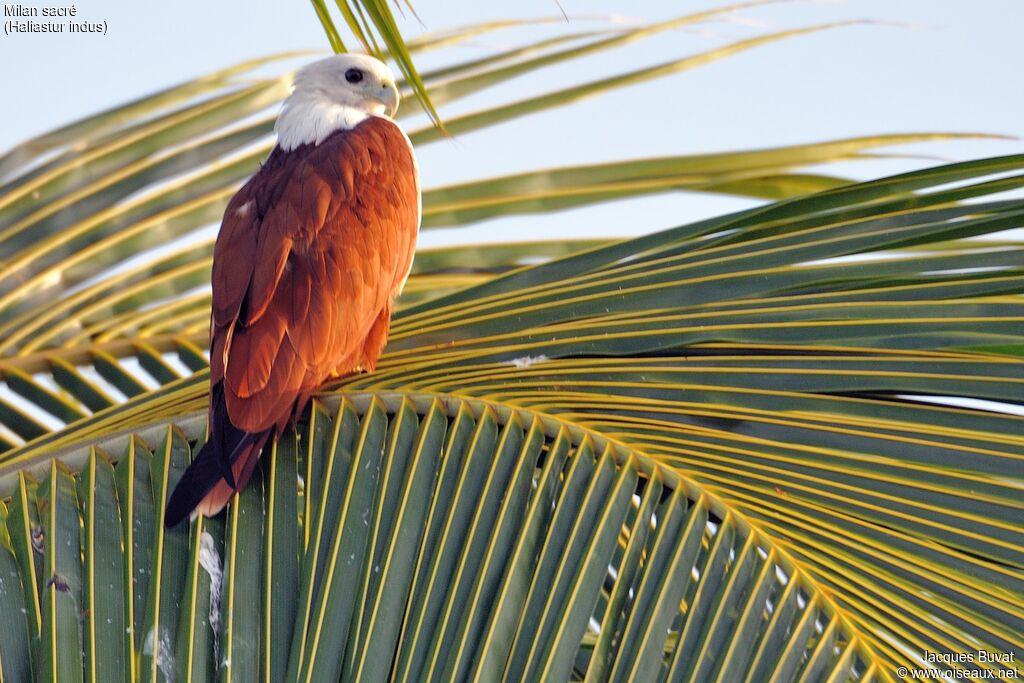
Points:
389	98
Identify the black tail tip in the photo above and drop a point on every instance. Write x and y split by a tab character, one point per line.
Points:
178	509
198	479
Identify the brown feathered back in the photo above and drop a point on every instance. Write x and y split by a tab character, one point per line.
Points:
310	255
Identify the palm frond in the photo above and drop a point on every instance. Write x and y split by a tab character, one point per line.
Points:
100	226
757	357
429	536
779	444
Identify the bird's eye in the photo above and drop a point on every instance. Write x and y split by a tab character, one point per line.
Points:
353	75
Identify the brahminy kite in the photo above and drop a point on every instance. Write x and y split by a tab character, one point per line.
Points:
311	254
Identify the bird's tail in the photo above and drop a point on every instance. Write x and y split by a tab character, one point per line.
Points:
222	467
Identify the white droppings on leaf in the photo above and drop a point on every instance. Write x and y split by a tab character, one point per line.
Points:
527	361
163	652
209	560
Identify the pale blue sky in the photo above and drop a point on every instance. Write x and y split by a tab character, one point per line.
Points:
926	65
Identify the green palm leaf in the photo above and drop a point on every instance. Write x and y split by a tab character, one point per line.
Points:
778	389
726	451
448	539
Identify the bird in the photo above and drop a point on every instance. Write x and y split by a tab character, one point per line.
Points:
312	252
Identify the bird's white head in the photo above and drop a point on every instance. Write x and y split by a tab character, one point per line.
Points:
334	93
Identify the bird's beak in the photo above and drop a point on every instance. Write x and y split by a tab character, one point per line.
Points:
389	98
